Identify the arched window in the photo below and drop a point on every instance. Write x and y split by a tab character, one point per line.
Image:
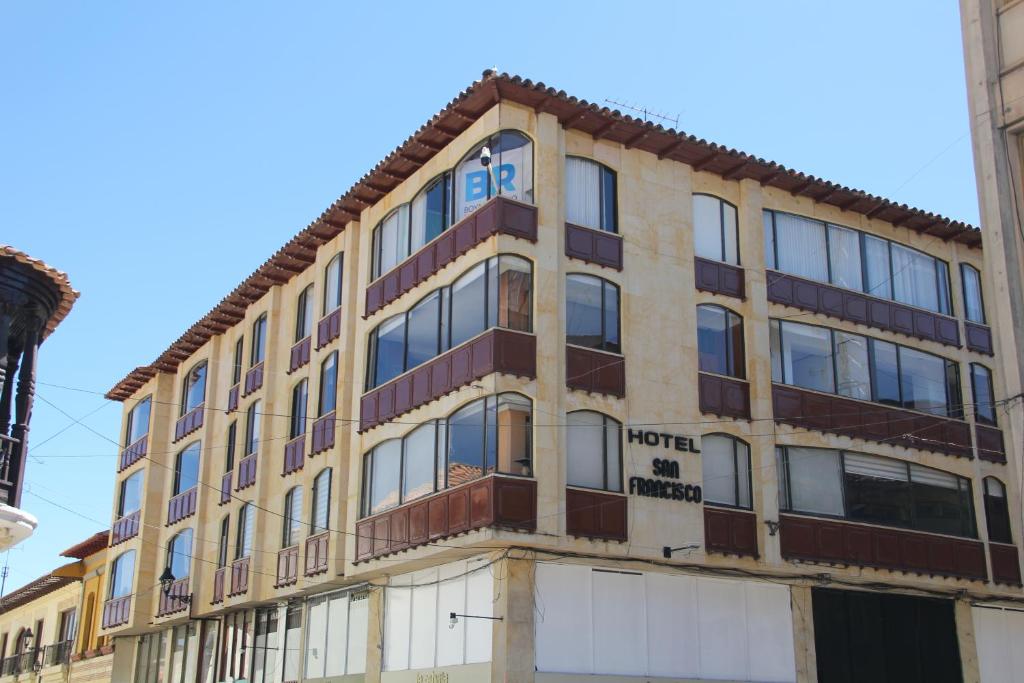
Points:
984	397
137	425
193	390
236	368
594	448
130	495
252	428
720	341
491	434
997	511
222	541
509	172
229	450
715	233
495	293
726	463
592	313
974	303
328	385
431	211
122	572
244	531
390	241
186	468
292	521
179	554
320	509
332	283
259	341
304	314
590	194
298	416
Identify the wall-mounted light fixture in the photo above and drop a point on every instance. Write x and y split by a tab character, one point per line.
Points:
167	581
667	551
453	618
773	526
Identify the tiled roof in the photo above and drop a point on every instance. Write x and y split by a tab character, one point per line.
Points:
68	295
32	591
572	113
89	546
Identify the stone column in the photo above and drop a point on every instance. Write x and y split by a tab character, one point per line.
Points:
513	656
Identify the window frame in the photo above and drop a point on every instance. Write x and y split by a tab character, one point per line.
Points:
989	400
994	533
176	489
130	420
741	372
241	536
490	141
258	350
721	227
338	258
964	267
223	541
315	500
332	356
236	368
297	426
253	424
230	448
187	384
115	567
607	422
604	172
140	474
605	284
291	524
304	313
735	440
171	551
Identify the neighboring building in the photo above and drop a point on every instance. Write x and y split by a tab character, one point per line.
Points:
553	392
49	628
34	298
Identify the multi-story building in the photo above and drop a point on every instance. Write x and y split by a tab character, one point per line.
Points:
553	392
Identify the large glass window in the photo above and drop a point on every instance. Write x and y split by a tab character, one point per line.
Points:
244	531
391	240
122	572
831	361
487	435
594	451
320	509
236	366
508	171
194	388
138	421
974	304
298	417
265	646
714	229
726	463
130	497
328	385
291	524
259	341
304	314
855	260
720	341
592	313
431	212
997	511
590	194
984	396
332	283
875	490
229	450
222	541
179	554
252	428
186	469
497	292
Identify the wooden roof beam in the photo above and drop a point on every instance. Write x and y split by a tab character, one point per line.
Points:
701	164
769	178
604	130
571	119
734	172
879	208
673	146
637	139
799	189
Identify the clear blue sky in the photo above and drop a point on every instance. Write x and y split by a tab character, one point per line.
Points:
159	152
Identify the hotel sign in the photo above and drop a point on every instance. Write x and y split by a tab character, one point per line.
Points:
664	483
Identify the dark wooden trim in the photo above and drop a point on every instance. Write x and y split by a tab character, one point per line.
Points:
253	379
593	246
246	472
233	396
723	396
189	422
287	567
1005	566
596	514
594	371
990	444
124	528
294	455
116	611
317	548
323	434
979	338
239	576
182	505
133	453
299	354
171	602
218	585
225	488
730	531
329	328
718	277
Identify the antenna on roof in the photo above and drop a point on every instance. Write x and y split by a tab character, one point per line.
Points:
647	113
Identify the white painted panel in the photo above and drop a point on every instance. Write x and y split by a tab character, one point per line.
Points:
479	601
563	619
337	635
451	597
424	625
770	632
396	628
723	628
358	622
316	638
673	639
999	635
620	623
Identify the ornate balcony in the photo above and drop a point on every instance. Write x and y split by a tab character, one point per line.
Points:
719	278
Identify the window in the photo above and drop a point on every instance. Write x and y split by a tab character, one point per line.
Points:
121	574
292	642
265	646
130	497
243	534
236	368
864	368
715	233
229	451
179	554
492	434
259	341
194	388
726	463
222	541
252	428
590	197
332	283
328	385
997	512
431	212
66	626
855	260
336	635
974	304
495	293
138	422
304	314
186	469
592	313
875	490
984	397
594	451
320	509
298	417
391	240
720	341
292	520
510	173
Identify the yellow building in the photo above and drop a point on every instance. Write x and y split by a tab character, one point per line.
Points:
553	393
49	628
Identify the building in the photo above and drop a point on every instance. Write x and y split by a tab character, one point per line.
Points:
553	392
34	299
49	628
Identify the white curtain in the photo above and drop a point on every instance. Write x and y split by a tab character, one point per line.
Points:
872	466
584	438
583	192
914	278
801	246
844	254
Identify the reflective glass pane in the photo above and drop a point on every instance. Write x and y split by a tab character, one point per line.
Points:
815	480
583	192
914	278
807	357
583	314
886	376
585	442
466	444
719	464
186	472
515	300
513	417
844	257
923	381
984	399
389	361
712	348
804	253
853	373
424	331
418	475
707	227
877	490
138	421
387	470
973	309
879	276
131	495
468	304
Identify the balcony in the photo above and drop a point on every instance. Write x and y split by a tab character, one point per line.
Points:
328	329
253	379
299	355
287	567
58	654
182	505
861	545
316	553
730	531
225	488
596	514
979	338
990	444
323	433
596	372
233	394
175	599
189	422
133	453
496	350
124	528
499	215
723	396
246	472
218	585
239	576
1005	567
495	500
294	455
593	246
116	611
24	663
718	277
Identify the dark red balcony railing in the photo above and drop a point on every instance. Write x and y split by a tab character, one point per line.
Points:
299	354
225	488
723	396
189	422
246	472
173	601
233	394
1005	567
239	576
287	566
294	455
218	585
593	246
595	371
329	328
133	453
990	444
124	528
116	611
182	505
596	514
979	338
323	433
316	553
730	531
253	379
719	278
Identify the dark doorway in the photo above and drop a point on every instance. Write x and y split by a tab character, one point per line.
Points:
884	638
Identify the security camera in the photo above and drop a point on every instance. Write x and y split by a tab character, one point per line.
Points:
485	156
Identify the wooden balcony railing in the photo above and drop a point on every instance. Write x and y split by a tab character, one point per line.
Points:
730	531
287	566
133	453
124	528
316	553
299	354
239	576
990	444
116	611
723	396
593	246
253	379
225	488
246	472
182	505
218	585
979	338
719	278
323	433
595	371
1005	567
329	328
596	514
233	394
173	600
189	422
294	455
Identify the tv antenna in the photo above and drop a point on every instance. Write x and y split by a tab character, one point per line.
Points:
646	112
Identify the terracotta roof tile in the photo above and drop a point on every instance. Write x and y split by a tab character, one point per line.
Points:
68	295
